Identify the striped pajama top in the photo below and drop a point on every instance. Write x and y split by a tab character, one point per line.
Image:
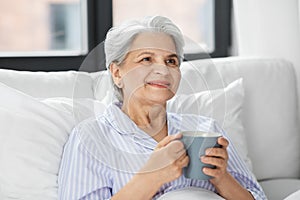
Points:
103	154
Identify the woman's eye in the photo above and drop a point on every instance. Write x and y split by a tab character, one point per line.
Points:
146	59
172	62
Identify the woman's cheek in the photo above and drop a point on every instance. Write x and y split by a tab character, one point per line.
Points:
176	78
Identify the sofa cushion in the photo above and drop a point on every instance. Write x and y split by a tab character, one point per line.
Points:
294	196
269	113
49	84
279	189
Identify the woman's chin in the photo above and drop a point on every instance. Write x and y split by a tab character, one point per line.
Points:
160	99
153	97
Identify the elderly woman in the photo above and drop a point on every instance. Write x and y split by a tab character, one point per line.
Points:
132	151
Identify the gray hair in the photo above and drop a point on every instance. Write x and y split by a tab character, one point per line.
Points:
119	39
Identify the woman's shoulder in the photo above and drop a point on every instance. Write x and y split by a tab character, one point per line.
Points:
89	135
89	128
97	121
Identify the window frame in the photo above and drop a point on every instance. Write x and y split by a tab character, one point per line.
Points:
223	11
99	22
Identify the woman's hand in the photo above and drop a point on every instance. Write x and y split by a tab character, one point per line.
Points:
225	184
166	162
219	158
164	165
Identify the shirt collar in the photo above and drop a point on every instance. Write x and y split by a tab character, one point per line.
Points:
119	120
125	126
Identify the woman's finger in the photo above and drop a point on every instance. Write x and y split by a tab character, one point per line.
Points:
167	140
212	172
217	152
183	160
223	142
182	154
218	162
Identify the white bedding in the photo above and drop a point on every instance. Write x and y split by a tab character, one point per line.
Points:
191	193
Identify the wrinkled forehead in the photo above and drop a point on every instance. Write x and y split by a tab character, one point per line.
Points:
153	40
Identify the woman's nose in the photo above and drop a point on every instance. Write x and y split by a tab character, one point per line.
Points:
161	68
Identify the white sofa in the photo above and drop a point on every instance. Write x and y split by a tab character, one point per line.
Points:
38	110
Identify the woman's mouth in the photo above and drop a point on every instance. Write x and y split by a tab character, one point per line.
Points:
159	84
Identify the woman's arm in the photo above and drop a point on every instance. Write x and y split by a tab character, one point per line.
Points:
230	189
141	186
78	172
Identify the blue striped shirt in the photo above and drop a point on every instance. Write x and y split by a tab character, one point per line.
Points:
103	154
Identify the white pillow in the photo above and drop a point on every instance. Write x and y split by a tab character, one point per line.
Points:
102	85
81	108
49	84
32	136
223	105
190	193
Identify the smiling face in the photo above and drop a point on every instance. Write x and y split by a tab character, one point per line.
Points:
150	72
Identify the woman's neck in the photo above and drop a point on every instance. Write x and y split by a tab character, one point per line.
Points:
151	118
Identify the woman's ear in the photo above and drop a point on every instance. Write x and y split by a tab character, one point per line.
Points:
115	72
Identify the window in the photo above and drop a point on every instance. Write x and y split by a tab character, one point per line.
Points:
195	18
43	28
77	26
205	23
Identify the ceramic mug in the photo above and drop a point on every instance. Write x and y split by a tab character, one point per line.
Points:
195	143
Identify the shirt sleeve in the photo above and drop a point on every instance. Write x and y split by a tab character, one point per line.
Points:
238	169
81	176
